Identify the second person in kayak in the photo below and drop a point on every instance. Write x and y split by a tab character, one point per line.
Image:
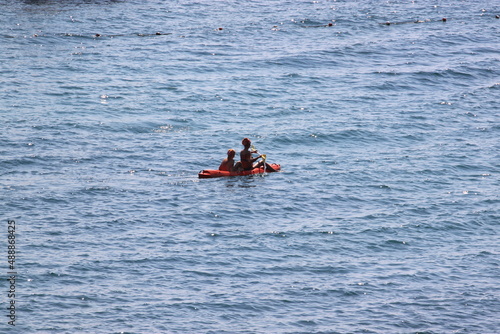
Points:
246	160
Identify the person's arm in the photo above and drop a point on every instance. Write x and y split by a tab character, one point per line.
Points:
223	165
255	159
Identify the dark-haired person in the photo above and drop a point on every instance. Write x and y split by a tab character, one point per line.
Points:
246	159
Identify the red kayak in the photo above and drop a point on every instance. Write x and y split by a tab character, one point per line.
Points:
210	173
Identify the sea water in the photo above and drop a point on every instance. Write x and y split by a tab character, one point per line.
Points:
383	115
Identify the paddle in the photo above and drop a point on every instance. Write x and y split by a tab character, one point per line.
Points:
266	166
263	157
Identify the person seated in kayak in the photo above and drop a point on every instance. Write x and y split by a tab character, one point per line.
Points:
246	160
228	163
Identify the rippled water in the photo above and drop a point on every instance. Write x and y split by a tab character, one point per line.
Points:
384	218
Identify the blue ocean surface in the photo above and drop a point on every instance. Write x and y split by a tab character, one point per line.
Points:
384	116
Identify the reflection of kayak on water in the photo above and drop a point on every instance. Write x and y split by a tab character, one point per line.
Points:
210	173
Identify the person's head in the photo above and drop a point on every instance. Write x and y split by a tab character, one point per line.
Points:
246	142
231	153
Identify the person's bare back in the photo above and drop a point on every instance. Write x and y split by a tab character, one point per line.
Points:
246	159
228	163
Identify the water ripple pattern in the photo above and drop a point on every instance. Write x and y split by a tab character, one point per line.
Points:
384	116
